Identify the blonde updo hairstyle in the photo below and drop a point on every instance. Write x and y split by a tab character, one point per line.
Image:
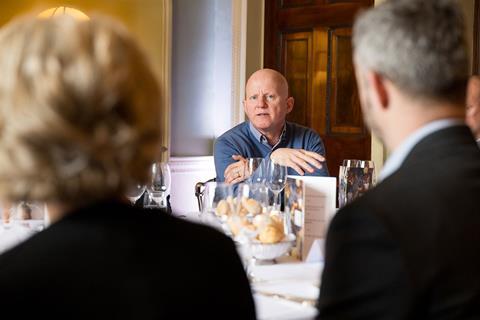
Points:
79	110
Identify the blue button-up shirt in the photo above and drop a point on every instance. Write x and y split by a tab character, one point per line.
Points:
248	142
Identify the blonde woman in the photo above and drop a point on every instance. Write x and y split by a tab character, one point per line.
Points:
79	122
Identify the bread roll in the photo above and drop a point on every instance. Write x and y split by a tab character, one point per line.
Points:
271	234
223	208
252	206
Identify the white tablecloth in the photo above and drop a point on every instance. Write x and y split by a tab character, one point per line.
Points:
275	284
287	279
18	231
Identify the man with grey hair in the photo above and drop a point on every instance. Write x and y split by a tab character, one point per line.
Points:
410	247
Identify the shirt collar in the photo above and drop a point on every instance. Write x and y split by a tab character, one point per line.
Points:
396	159
261	137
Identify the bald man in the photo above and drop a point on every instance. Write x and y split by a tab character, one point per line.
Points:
267	134
473	106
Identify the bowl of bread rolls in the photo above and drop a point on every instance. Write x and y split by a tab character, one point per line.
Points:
252	222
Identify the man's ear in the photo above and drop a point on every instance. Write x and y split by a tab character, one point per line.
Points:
290	103
379	89
472	112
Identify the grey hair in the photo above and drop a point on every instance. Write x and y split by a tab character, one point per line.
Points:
419	45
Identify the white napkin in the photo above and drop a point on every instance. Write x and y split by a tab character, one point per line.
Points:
316	251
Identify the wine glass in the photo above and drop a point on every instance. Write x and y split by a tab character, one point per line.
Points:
217	203
255	170
134	192
29	214
159	186
252	199
276	179
161	177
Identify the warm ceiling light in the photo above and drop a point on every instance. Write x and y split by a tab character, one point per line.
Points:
77	14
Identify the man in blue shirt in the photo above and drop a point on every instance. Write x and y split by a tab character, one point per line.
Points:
267	134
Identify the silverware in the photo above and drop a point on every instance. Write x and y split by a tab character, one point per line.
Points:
288	297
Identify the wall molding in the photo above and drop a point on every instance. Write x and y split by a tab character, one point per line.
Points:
239	58
191	164
186	172
165	72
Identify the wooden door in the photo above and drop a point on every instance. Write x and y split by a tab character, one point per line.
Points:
309	41
476	39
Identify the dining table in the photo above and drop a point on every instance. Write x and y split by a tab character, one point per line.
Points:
287	289
284	288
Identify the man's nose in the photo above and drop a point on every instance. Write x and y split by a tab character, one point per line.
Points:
261	102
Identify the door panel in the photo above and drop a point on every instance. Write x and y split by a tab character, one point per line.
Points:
297	65
346	115
310	43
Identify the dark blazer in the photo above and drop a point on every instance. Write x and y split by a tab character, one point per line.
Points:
410	248
113	261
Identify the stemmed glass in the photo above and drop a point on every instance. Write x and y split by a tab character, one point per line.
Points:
276	180
161	177
159	186
134	192
217	204
252	198
252	201
255	170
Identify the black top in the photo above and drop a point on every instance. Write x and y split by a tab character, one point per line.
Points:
113	261
410	247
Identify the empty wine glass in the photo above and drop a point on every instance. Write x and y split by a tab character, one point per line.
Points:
252	198
218	199
276	180
159	186
161	177
254	170
134	192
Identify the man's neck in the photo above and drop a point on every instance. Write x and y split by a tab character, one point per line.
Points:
408	125
273	135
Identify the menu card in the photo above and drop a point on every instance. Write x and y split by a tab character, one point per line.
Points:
310	205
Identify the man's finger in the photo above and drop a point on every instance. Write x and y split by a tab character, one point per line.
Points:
315	155
311	160
234	167
236	178
295	167
303	164
228	170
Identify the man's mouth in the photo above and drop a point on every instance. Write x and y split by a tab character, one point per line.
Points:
262	114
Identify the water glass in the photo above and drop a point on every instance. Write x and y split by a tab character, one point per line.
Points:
355	178
255	170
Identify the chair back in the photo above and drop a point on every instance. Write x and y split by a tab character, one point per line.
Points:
199	192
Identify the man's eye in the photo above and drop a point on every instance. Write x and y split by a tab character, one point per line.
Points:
270	97
253	98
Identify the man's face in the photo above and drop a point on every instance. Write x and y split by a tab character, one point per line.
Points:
267	103
473	106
